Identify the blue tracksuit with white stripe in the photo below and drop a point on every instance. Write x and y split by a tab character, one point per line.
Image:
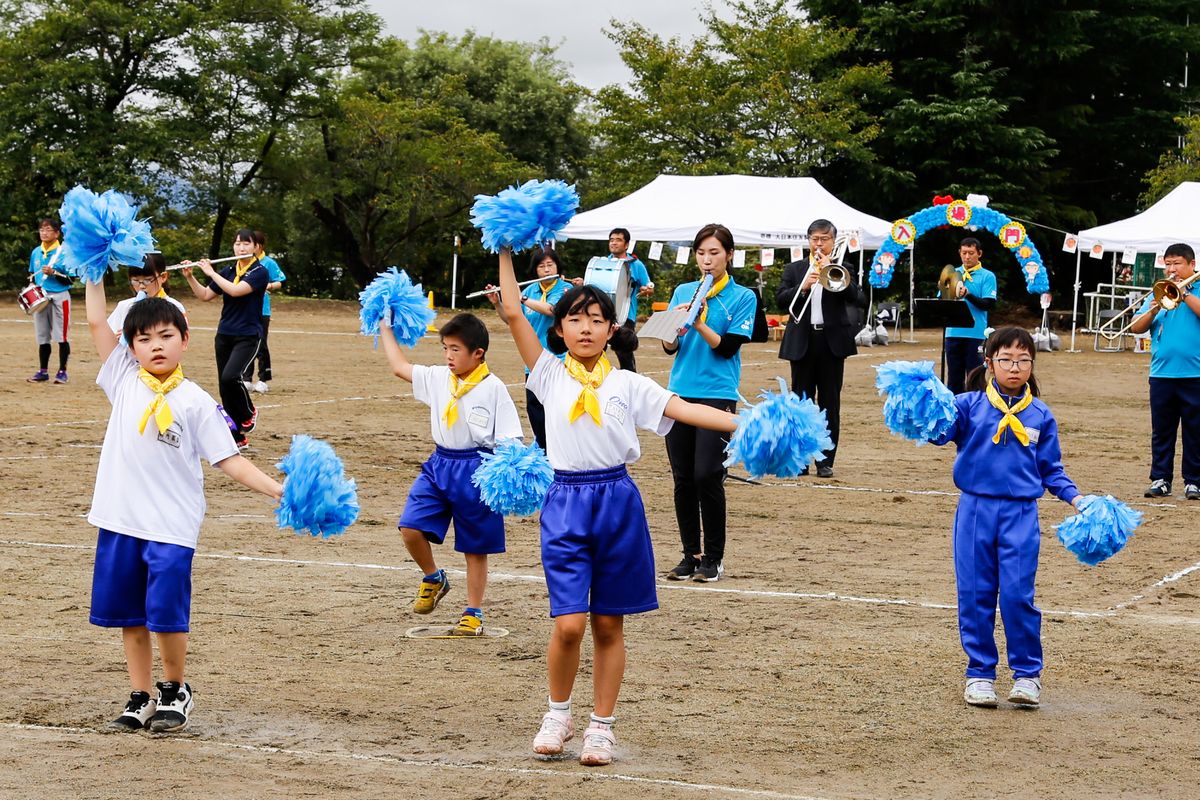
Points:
996	532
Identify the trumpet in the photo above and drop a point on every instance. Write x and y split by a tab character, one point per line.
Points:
1168	294
832	276
496	290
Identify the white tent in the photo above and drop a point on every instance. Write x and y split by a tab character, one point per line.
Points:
1175	218
757	211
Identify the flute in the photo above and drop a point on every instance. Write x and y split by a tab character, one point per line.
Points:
183	264
482	292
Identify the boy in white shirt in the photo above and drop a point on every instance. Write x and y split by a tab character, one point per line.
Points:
469	409
149	498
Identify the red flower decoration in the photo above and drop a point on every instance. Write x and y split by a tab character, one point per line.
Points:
943	199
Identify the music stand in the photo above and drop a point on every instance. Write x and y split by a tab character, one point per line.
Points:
932	312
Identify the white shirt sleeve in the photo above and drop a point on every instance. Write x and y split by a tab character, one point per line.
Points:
542	374
508	422
214	441
115	369
649	404
422	383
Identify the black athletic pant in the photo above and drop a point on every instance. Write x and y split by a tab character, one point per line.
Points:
818	376
625	358
537	417
697	460
264	356
234	354
962	356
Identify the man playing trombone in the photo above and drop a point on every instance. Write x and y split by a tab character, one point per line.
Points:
1173	318
819	335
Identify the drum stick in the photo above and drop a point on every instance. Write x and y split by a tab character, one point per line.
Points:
482	292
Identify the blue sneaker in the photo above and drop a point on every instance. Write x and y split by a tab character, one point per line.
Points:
41	376
61	377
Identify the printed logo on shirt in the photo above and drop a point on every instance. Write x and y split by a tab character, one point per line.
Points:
172	436
747	325
479	417
617	409
1034	434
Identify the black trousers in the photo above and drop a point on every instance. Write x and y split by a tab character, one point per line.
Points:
962	356
264	356
537	417
818	376
1175	403
234	355
625	358
697	457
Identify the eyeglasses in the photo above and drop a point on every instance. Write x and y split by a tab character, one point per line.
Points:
142	280
820	238
1008	363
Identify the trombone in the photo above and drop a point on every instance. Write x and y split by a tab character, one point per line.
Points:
832	276
1168	294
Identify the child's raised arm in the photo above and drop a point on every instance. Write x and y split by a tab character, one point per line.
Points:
700	416
528	344
401	366
97	318
244	472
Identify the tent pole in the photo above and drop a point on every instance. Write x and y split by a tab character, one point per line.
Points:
1075	303
912	288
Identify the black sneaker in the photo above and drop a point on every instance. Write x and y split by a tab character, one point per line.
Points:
137	713
684	569
174	705
824	471
708	571
1159	487
1192	491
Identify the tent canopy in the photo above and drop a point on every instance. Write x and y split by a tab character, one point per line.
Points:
757	211
1170	220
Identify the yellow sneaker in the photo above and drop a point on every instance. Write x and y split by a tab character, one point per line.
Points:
468	625
431	593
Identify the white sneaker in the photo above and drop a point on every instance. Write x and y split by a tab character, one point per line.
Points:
137	713
249	386
175	706
598	744
980	692
556	730
1026	692
262	387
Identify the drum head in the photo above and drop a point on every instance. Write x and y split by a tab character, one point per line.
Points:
612	278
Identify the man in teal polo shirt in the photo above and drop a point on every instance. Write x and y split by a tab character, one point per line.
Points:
964	346
1174	379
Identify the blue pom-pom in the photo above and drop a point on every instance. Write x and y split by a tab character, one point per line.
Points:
514	479
780	435
101	232
317	495
524	216
394	291
918	406
1100	529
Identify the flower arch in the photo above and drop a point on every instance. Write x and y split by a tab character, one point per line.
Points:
960	214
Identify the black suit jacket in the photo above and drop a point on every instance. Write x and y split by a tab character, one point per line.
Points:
839	332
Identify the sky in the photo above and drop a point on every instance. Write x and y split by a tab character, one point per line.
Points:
575	26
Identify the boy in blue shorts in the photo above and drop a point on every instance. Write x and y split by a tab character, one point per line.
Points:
469	410
149	498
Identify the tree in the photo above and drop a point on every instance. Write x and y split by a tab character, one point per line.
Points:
1177	165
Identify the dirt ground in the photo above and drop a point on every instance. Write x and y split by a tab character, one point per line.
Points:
825	665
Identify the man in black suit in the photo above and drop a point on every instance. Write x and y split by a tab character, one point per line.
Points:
819	343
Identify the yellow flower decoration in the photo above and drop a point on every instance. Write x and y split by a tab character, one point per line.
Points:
904	232
958	213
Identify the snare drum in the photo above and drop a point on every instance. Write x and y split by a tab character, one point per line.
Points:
611	277
33	298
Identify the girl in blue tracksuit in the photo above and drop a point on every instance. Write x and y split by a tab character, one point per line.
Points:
1008	455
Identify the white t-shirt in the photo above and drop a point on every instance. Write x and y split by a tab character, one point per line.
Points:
151	485
486	414
116	320
628	401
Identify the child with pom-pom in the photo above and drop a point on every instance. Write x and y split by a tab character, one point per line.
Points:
1008	456
469	409
149	498
595	543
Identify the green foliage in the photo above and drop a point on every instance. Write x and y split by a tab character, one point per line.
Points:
1177	165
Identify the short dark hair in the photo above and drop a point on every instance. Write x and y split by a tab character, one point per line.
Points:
821	226
469	329
153	263
716	230
578	300
52	222
1180	249
260	239
1008	336
244	235
623	231
541	254
150	313
971	241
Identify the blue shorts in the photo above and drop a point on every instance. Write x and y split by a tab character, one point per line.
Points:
596	547
443	492
141	583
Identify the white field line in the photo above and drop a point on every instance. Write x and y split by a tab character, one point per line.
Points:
511	577
439	766
1165	580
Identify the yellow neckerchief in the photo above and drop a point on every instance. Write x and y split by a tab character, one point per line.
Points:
46	250
158	407
459	387
1009	420
161	292
547	289
967	271
587	401
239	270
713	292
